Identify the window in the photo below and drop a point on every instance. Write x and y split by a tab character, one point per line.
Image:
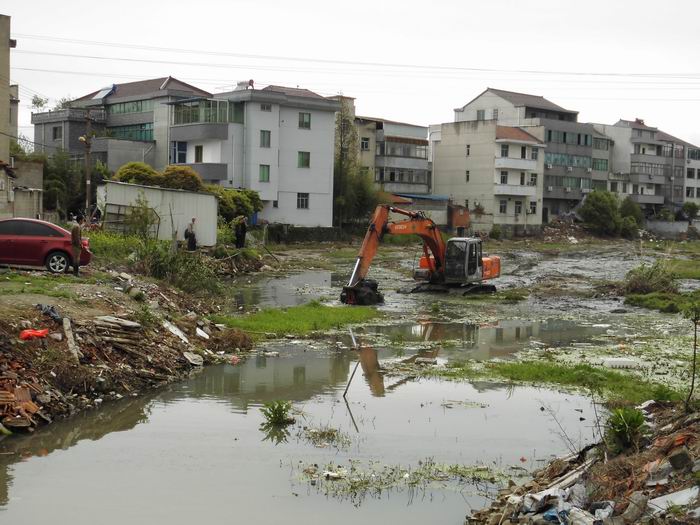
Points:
34	229
57	132
624	187
305	120
522	178
136	106
518	207
697	193
467	176
564	159
480	114
535	153
494	114
303	201
275	204
691	173
133	132
504	177
466	203
600	144
364	144
690	192
303	159
613	187
264	173
502	206
504	150
265	107
523	152
468	149
265	138
198	153
178	152
533	179
600	164
533	207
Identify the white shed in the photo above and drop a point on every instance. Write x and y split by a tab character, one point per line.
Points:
115	199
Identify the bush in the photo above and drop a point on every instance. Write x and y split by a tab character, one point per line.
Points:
629	228
625	428
631	209
600	211
235	203
650	278
181	178
691	210
112	247
276	413
138	173
496	232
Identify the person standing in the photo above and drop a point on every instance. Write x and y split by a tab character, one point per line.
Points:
76	241
191	236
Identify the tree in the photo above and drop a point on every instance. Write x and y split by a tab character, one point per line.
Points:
181	178
142	219
39	102
63	188
629	208
692	313
63	103
600	211
691	210
234	203
138	173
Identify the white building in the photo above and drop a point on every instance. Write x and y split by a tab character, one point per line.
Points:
494	170
278	141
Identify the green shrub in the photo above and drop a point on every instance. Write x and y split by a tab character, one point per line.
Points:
629	228
112	247
629	208
138	173
647	278
181	178
235	203
691	210
277	413
496	232
600	211
624	429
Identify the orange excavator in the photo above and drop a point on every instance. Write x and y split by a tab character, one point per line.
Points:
456	264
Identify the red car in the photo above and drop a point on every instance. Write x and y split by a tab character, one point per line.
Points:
30	242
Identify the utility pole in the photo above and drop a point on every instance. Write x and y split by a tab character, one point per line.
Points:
87	141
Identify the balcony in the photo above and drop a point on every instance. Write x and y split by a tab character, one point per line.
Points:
515	164
647	199
561	192
515	189
185	132
209	171
643	178
62	115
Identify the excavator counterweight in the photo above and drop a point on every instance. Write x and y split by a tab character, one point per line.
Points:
457	263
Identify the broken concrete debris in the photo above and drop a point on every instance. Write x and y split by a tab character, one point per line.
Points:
193	359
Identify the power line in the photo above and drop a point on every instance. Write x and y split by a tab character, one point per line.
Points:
352	62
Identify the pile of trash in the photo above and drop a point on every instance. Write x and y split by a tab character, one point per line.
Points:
659	483
564	230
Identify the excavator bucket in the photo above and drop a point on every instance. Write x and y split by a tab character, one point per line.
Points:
363	293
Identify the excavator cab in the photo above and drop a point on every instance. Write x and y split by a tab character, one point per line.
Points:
463	260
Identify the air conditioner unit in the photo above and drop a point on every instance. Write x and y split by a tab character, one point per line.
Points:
549	166
550	188
589	170
569	168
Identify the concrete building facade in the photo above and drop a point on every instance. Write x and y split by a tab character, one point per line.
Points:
277	141
495	171
130	121
692	175
6	129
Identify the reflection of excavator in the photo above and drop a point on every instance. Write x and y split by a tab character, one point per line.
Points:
457	263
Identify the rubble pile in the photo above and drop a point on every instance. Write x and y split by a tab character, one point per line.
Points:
659	483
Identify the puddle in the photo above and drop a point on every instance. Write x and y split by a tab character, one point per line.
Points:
288	290
489	340
194	452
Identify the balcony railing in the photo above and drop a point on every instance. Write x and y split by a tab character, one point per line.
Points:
515	189
515	163
60	115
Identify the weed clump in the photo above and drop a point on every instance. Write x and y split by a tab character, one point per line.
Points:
277	413
649	279
625	429
230	340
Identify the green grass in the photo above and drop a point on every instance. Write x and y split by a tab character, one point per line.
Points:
685	268
615	386
299	320
664	301
112	247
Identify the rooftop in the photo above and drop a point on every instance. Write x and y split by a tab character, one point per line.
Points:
144	87
634	124
523	99
387	121
293	92
510	133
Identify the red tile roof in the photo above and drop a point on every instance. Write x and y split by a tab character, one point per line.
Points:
510	133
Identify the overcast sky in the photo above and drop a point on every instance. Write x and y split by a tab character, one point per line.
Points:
624	59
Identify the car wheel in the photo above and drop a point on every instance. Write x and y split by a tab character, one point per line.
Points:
57	262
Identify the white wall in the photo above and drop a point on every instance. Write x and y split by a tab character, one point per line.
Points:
508	115
211	150
185	205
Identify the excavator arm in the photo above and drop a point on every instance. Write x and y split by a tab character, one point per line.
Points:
360	291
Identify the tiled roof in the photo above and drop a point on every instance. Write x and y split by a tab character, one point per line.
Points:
634	124
531	101
376	119
145	87
293	92
510	133
661	135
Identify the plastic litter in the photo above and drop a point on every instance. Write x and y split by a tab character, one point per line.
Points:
193	359
50	311
235	359
679	499
31	333
201	333
602	509
170	327
580	517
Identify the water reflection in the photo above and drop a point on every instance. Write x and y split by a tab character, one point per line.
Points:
287	290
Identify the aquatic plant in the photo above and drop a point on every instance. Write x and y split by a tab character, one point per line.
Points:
277	413
644	279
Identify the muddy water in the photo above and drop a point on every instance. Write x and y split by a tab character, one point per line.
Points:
194	453
287	290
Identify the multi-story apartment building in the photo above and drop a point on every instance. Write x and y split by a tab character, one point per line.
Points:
6	129
131	122
278	141
396	154
648	164
692	174
494	170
